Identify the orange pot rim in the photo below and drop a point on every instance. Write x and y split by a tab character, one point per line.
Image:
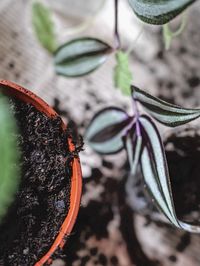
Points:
27	96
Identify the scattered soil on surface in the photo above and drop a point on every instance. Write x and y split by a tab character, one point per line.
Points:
43	199
184	167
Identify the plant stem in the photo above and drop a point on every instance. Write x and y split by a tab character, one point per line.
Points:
168	34
117	43
85	24
134	43
137	116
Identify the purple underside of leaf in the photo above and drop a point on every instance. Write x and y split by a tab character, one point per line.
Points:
107	128
110	131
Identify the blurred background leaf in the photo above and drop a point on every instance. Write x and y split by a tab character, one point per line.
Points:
43	26
169	35
122	73
9	157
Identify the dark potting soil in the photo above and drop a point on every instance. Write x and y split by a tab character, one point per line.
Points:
43	199
184	166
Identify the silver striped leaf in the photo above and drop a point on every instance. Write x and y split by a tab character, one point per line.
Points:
81	56
155	169
168	114
156	174
133	145
106	130
159	11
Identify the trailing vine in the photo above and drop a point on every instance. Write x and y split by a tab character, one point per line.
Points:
113	129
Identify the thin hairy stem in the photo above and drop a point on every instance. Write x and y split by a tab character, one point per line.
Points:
117	43
135	41
75	30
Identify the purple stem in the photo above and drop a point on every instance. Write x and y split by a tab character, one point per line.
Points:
116	33
135	120
137	116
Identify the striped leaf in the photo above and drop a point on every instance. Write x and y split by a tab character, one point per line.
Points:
80	56
159	11
168	114
9	157
155	169
107	129
133	145
156	174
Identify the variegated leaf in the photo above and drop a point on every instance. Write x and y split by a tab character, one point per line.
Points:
133	145
159	11
155	170
106	130
168	114
156	174
81	56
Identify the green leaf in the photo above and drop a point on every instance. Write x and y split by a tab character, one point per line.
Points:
169	35
9	157
106	130
122	73
168	114
156	174
81	56
43	26
159	11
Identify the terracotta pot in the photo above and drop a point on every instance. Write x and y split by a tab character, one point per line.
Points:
27	96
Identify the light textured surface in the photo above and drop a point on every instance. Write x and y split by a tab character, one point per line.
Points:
173	75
